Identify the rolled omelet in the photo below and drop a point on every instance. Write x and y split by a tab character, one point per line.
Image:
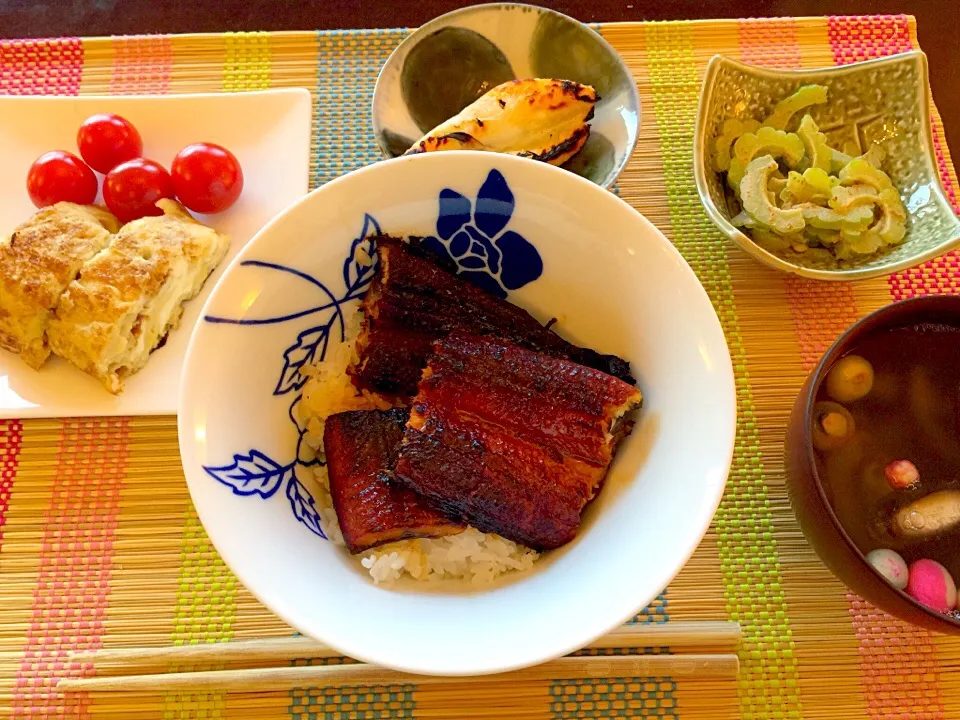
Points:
127	298
37	263
537	118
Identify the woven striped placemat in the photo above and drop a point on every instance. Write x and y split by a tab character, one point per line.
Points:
100	545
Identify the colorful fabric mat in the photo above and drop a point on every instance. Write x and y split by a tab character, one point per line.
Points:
100	545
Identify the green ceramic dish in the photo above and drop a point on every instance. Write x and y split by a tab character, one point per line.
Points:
868	101
455	58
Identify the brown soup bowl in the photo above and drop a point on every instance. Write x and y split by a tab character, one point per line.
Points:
817	519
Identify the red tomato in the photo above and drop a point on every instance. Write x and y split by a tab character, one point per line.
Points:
207	177
106	140
131	189
59	176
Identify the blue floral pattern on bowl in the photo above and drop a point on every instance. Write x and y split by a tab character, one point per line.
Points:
472	234
255	473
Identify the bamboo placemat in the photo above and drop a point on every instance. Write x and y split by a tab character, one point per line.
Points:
100	545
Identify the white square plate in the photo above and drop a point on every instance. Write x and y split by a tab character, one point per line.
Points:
268	131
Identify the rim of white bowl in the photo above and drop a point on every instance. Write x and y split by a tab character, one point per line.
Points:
592	624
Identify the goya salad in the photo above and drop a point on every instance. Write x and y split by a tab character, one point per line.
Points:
799	195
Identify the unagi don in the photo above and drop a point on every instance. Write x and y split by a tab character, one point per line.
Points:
361	448
512	441
416	298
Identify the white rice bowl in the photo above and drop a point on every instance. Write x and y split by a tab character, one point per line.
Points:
471	555
619	286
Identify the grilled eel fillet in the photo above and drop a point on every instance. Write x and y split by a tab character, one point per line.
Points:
416	298
538	118
361	448
511	441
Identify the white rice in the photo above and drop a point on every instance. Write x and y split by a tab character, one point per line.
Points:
472	555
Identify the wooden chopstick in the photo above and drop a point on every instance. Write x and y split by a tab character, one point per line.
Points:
677	634
285	678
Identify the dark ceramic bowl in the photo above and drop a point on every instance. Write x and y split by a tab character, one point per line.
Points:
452	60
817	519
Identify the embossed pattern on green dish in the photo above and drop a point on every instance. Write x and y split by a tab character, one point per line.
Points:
866	102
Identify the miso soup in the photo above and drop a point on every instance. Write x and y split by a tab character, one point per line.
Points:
895	397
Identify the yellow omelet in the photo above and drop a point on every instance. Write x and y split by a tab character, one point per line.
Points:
37	262
127	298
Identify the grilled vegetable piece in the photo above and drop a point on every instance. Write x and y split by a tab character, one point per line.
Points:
512	441
804	97
361	448
536	118
416	298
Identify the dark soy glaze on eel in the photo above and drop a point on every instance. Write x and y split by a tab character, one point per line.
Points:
361	448
511	441
416	298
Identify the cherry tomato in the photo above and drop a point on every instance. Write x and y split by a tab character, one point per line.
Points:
59	176
131	189
106	140
207	177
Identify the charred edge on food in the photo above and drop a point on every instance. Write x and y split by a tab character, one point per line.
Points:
577	139
578	91
414	245
486	314
459	137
